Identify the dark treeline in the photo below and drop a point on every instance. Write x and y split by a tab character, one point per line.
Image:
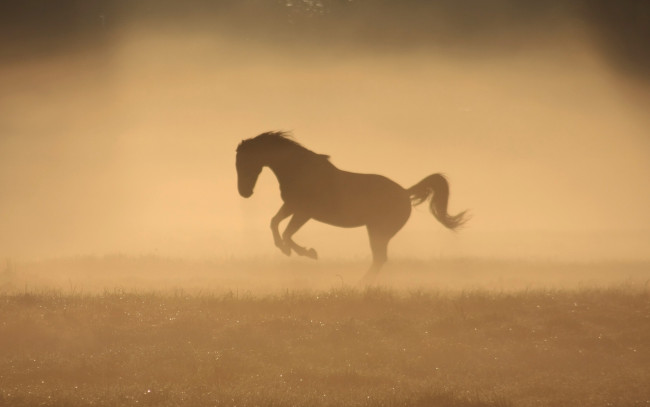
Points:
622	28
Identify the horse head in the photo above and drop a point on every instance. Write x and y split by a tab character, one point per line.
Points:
249	166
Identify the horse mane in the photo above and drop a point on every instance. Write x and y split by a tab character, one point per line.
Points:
283	139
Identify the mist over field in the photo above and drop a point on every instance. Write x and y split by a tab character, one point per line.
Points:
120	120
132	272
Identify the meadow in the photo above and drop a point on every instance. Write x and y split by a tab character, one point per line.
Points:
99	331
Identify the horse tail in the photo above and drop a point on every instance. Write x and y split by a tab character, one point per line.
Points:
436	189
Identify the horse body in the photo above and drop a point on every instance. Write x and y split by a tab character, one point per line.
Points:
313	188
346	199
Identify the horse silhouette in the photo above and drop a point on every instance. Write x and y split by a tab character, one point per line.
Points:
313	188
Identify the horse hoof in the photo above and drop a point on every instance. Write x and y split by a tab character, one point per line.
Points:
311	253
286	250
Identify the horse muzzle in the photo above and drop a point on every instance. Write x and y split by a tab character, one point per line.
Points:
246	193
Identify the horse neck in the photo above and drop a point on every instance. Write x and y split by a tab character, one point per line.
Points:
284	165
281	167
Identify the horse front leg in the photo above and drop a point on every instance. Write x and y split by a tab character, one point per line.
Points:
282	214
296	222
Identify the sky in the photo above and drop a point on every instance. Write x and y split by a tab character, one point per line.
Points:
119	123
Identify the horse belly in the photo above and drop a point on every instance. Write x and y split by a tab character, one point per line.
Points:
347	220
362	200
337	211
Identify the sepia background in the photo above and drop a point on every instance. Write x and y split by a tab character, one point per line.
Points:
119	123
132	273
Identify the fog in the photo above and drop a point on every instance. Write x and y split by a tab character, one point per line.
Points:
118	126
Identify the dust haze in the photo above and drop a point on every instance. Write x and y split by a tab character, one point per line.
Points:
119	122
133	273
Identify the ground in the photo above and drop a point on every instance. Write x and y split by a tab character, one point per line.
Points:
549	344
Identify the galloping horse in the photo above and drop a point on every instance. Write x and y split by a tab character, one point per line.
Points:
313	188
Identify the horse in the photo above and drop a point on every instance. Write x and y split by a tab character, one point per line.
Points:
311	187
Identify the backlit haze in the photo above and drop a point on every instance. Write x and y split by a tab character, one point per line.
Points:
119	123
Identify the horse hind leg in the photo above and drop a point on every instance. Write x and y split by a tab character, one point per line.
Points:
379	247
296	222
380	232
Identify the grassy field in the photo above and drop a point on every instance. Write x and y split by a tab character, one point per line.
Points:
287	345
